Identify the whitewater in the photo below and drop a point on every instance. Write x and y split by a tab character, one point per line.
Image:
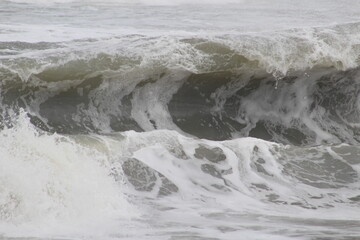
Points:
160	119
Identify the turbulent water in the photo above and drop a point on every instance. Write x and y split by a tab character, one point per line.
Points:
179	119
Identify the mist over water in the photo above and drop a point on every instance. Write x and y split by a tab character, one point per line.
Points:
179	119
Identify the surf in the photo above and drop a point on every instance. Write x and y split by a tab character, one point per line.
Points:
118	120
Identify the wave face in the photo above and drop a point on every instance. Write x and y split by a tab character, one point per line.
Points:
115	114
199	87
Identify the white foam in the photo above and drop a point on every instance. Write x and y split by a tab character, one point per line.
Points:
50	180
164	152
66	184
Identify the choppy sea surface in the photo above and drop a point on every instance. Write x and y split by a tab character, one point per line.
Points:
202	119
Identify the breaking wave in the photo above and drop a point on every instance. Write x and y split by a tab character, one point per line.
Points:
295	87
198	120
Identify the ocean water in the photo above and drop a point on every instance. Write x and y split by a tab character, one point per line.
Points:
160	119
